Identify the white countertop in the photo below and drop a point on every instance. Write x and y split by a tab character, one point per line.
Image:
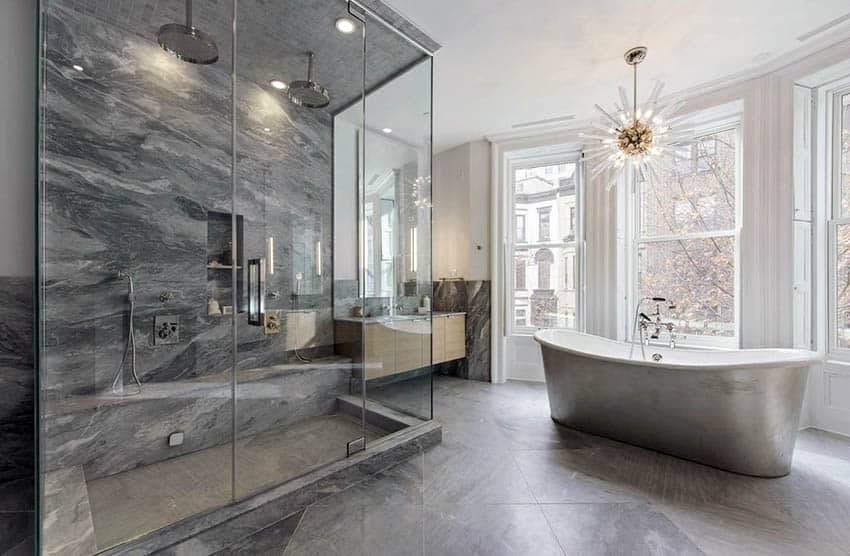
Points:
394	318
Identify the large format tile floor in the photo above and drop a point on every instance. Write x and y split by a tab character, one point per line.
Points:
506	480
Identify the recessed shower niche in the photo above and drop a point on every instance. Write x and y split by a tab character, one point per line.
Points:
165	168
220	261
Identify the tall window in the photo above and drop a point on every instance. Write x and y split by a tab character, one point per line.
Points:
541	296
840	298
520	228
570	271
686	236
544	260
520	273
543	230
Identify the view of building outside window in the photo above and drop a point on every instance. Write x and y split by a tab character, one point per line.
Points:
686	236
544	293
841	213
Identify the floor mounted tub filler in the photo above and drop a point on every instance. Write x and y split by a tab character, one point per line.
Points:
737	410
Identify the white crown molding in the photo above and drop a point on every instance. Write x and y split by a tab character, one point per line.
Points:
784	65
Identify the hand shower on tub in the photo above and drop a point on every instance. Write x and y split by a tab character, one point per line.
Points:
130	347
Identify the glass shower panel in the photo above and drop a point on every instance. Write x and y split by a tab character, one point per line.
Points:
137	249
294	403
397	223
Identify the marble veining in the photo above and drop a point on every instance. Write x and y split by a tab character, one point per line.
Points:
473	298
66	514
137	150
17	376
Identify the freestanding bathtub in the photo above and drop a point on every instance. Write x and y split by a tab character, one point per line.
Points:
737	410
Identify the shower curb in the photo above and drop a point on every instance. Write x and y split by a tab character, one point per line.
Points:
218	529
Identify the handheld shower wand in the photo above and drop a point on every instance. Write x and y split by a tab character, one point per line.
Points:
130	347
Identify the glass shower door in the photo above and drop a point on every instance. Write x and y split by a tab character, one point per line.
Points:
135	196
396	209
295	407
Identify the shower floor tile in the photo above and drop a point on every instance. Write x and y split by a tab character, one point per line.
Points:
127	505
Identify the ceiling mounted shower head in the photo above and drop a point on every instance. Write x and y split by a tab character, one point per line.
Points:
308	94
187	43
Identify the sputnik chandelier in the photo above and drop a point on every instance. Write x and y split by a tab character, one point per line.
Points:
641	135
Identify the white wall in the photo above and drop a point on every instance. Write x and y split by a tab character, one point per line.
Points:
461	212
346	153
767	254
17	135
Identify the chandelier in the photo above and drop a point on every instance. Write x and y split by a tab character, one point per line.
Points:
642	135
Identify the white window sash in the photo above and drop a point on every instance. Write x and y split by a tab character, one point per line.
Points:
834	220
526	163
638	239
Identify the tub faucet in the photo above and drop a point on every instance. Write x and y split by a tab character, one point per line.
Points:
650	327
659	326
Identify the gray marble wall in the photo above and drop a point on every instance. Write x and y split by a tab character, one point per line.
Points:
17	450
137	150
473	298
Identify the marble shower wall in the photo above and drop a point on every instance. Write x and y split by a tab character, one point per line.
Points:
137	151
473	298
17	439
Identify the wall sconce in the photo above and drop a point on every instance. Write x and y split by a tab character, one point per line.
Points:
318	258
414	249
270	255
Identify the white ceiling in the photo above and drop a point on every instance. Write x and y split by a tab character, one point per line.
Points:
505	62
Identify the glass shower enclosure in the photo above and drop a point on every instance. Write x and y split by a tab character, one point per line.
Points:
234	257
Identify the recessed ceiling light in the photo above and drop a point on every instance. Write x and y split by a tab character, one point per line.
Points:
345	25
77	67
267	129
278	84
387	130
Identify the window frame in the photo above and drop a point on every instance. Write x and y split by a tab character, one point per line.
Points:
527	161
702	127
833	216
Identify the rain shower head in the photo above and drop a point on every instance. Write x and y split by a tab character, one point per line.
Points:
308	94
187	43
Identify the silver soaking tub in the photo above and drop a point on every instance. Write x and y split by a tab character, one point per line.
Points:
738	410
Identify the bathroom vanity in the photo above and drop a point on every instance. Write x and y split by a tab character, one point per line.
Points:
401	343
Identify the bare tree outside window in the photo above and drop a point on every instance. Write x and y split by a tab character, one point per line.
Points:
842	234
686	241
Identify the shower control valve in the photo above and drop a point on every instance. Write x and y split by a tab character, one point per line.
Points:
166	330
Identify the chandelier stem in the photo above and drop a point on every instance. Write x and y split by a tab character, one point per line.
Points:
634	97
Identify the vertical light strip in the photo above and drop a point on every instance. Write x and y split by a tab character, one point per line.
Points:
270	255
234	271
414	250
318	258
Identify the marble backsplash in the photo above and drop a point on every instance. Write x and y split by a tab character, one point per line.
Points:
473	298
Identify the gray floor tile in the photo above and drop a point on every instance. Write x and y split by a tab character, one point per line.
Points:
272	540
587	475
488	530
454	475
617	529
358	530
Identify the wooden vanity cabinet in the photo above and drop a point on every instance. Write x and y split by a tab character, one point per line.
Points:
403	345
449	340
